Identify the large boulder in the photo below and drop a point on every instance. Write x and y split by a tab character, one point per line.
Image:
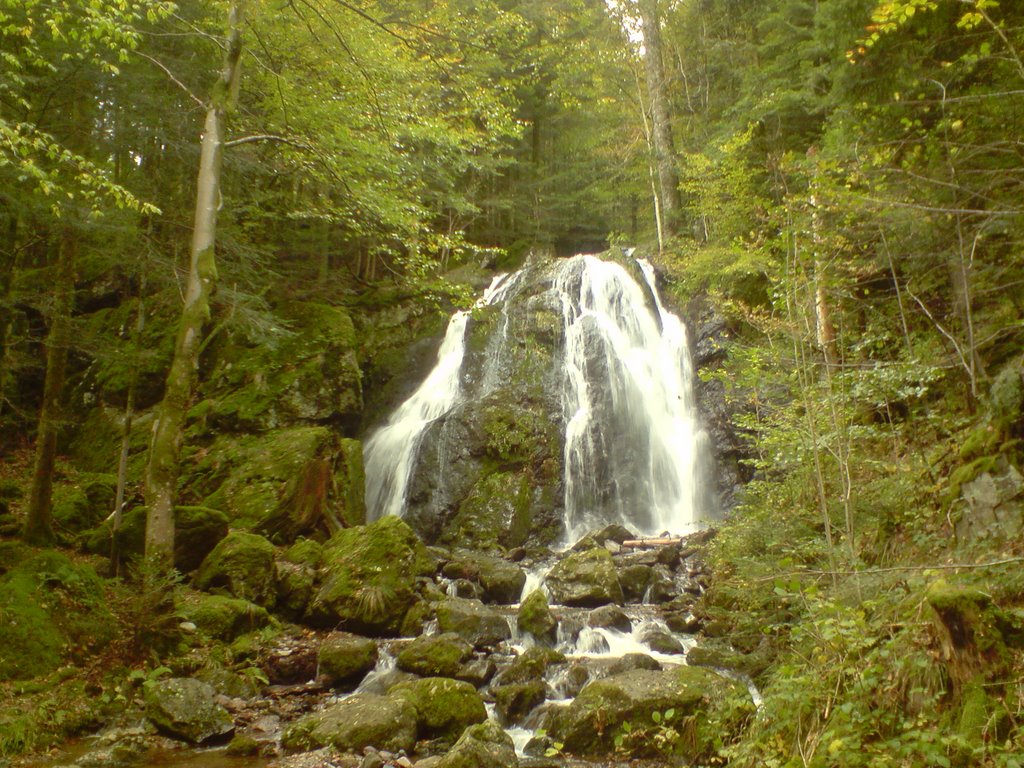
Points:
344	659
221	617
184	708
477	624
500	580
295	576
535	617
242	565
481	745
83	503
444	707
197	530
514	702
286	482
435	655
362	720
634	696
585	579
368	578
310	374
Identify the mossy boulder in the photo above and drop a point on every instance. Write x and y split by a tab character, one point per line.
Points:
295	576
197	530
586	579
221	617
495	514
303	370
50	609
535	617
444	707
185	709
84	502
284	483
475	622
500	580
344	659
528	666
435	655
481	745
589	725
514	702
360	721
242	565
368	578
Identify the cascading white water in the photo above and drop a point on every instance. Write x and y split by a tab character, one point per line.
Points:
390	453
631	435
631	447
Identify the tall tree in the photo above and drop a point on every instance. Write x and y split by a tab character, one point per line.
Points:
661	117
165	447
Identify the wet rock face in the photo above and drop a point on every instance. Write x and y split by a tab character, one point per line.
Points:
185	708
711	339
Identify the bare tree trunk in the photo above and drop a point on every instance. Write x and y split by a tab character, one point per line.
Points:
162	468
650	168
661	123
38	527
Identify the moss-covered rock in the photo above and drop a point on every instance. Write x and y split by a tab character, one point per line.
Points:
242	565
50	608
585	579
344	659
435	655
444	707
368	577
197	530
481	745
308	372
589	725
514	702
535	617
500	580
224	618
477	624
185	709
295	575
285	483
362	720
528	666
83	503
495	513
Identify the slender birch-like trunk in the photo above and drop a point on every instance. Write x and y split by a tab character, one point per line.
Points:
661	122
165	447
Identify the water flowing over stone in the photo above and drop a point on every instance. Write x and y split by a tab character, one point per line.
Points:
561	404
390	453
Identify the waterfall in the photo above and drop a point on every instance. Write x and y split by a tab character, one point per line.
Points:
631	435
621	373
390	454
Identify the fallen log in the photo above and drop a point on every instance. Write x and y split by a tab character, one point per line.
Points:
645	543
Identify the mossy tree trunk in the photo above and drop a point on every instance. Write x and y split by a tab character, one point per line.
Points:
661	120
38	526
162	467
